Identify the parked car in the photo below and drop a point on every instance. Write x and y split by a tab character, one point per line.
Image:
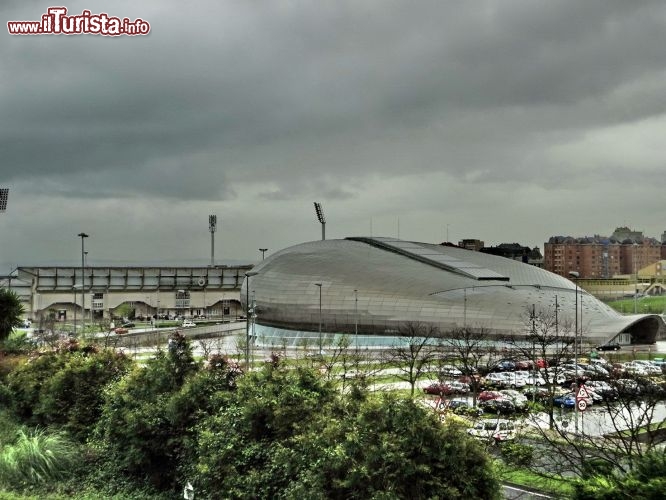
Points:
597	371
498	406
541	394
535	379
462	407
497	429
486	395
505	366
188	324
120	330
517	398
524	364
603	388
128	324
495	379
648	366
542	363
513	381
450	371
446	388
627	387
565	400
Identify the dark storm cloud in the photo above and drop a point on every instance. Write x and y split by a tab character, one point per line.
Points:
286	102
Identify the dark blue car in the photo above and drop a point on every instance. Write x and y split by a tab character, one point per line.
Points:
505	366
565	401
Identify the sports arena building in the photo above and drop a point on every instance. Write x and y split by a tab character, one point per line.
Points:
98	293
374	286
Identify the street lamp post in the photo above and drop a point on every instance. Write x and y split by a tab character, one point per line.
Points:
356	318
635	280
75	303
85	259
321	345
575	275
83	282
248	275
263	252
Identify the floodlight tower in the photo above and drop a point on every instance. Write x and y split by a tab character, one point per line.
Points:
4	194
212	226
83	282
321	219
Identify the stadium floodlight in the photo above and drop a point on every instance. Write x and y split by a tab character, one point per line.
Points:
321	219
4	195
248	275
83	282
212	227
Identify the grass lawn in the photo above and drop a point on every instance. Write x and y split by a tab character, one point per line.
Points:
556	485
652	305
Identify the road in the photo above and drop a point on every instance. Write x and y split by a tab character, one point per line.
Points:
519	493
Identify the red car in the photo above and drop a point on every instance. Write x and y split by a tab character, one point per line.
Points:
488	395
446	388
542	363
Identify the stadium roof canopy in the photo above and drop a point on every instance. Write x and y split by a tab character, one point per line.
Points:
379	284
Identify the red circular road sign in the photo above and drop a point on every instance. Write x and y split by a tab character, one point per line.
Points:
582	404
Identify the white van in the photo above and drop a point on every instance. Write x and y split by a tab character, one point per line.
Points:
497	429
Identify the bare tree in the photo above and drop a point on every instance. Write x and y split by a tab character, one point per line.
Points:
546	341
415	352
475	353
612	439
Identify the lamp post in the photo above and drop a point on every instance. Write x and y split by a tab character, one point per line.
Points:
635	280
263	252
356	318
75	303
321	345
212	227
248	275
575	275
83	281
85	259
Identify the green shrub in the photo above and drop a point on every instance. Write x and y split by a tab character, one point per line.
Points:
18	342
65	388
517	454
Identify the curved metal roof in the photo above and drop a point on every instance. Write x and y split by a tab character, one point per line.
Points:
381	283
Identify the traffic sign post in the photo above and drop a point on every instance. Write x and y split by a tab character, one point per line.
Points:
582	392
581	398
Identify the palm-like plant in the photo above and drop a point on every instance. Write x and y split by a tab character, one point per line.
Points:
11	311
37	457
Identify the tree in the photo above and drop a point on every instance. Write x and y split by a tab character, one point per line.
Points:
475	351
647	481
392	447
547	338
144	421
11	311
64	388
627	429
415	351
290	433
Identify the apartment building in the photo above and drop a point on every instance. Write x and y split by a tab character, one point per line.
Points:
601	257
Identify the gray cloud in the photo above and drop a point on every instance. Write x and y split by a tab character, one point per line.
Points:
491	114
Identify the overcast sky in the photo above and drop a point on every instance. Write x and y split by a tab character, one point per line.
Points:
506	121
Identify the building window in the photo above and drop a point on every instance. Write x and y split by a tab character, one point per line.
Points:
182	299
